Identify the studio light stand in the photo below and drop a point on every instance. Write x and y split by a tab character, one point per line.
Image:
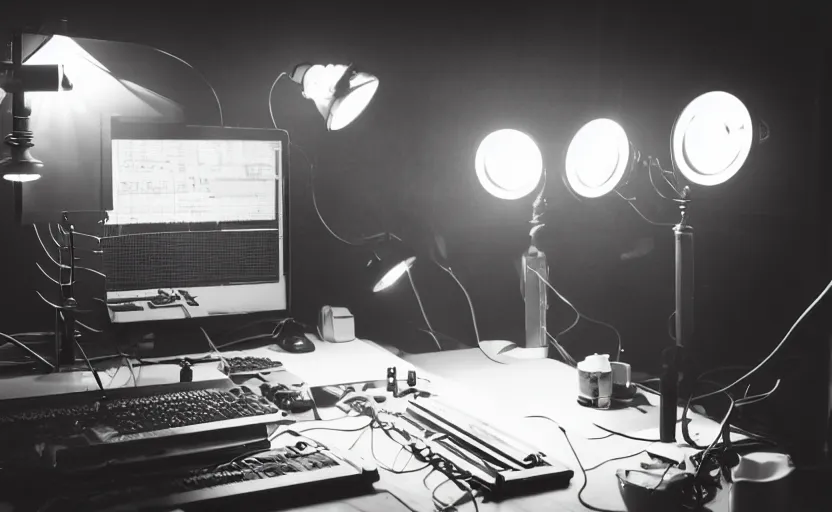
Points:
675	363
509	166
535	294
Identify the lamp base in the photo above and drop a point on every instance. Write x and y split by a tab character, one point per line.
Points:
508	350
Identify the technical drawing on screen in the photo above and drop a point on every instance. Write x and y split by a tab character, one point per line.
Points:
198	224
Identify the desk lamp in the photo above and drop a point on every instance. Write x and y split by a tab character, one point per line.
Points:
341	93
20	166
710	141
509	166
388	263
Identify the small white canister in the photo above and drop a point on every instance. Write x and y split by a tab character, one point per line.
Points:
595	381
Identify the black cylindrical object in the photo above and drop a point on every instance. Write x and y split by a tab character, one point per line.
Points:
673	359
684	284
669	395
186	373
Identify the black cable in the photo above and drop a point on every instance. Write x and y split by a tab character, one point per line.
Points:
333	429
312	184
540	416
28	350
471	308
383	465
593	468
362	241
89	364
626	436
619	347
583	472
631	202
201	76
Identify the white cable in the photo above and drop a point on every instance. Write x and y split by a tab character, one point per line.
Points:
777	348
215	350
422	309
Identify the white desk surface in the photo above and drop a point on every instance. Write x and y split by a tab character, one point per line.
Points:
500	394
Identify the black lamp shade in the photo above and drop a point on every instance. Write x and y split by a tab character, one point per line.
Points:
387	264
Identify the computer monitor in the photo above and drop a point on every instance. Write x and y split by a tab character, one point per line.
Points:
198	212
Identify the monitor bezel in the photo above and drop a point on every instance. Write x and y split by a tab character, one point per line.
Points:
142	129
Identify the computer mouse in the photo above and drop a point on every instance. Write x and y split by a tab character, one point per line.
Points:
296	344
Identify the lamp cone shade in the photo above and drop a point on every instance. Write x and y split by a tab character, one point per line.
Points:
341	93
388	264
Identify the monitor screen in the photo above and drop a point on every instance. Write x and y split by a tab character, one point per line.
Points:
173	181
196	211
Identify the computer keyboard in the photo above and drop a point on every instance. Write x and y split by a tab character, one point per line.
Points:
180	409
122	417
250	364
302	472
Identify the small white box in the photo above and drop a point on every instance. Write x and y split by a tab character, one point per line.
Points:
336	324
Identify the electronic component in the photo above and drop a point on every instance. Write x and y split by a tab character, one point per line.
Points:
392	382
411	378
186	373
300	472
189	299
250	364
291	399
501	465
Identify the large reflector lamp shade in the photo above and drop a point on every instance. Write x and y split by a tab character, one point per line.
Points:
341	93
67	125
598	158
20	166
509	164
712	138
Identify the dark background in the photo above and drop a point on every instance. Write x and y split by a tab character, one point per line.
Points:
450	73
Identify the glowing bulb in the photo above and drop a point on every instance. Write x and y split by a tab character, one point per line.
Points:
21	178
712	138
394	274
509	164
597	159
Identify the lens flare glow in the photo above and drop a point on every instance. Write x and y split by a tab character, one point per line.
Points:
712	138
509	164
394	274
597	159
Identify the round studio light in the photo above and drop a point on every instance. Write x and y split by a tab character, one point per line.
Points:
712	138
597	158
509	164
